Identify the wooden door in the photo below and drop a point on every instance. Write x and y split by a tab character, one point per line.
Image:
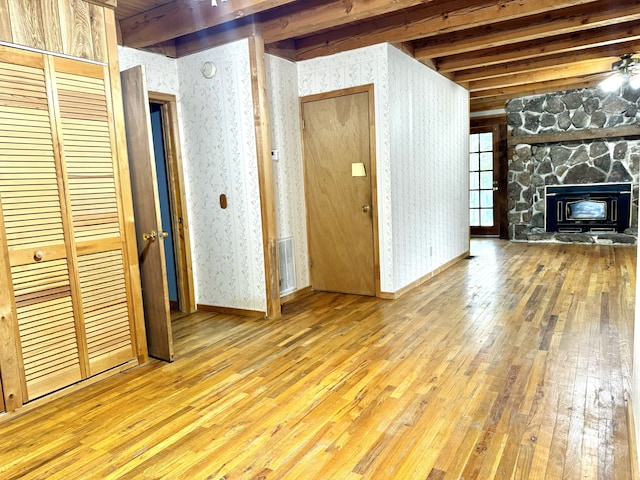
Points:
487	181
61	229
337	155
150	236
34	228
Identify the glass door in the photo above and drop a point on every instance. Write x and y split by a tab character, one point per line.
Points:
483	182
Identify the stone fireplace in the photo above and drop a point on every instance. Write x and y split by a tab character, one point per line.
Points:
579	137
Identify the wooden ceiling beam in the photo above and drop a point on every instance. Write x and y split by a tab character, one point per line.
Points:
589	39
429	20
307	20
548	86
497	99
591	67
549	61
183	17
104	3
216	36
569	20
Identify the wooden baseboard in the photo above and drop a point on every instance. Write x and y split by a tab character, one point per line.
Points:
423	279
231	311
298	294
633	445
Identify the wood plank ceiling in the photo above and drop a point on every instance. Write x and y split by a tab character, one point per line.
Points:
498	50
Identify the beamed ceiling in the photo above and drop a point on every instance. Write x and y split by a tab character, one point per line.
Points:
498	50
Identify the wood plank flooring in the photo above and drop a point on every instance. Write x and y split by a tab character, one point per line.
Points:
511	364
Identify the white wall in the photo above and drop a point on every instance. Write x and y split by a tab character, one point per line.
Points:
429	141
421	156
220	145
162	72
284	114
219	156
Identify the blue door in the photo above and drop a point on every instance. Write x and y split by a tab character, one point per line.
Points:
165	205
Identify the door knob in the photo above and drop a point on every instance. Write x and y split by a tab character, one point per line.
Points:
164	234
150	237
365	208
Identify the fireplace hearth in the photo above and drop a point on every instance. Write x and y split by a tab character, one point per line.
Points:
588	208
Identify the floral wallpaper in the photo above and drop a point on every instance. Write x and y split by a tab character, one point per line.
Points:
429	182
220	153
219	157
422	207
161	71
284	115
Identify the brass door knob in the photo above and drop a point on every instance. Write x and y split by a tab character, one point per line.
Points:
150	237
164	234
365	208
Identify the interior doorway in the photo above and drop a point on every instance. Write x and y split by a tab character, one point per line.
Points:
487	181
166	145
155	110
338	139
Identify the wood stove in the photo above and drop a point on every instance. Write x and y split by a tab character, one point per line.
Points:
596	207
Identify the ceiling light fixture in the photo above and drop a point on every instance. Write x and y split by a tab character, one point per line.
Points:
214	3
626	71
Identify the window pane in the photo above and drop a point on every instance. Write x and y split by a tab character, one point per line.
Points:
474	218
474	199
474	142
486	198
486	142
486	180
474	181
486	161
486	217
474	162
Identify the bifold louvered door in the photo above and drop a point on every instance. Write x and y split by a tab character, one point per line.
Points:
87	144
62	227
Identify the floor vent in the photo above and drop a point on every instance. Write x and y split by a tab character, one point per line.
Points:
287	266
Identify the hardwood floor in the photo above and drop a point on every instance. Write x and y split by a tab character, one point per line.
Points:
512	364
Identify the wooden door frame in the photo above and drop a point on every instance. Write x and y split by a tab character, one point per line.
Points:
266	181
369	88
177	199
499	147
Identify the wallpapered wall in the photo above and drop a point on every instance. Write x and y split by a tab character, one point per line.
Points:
421	156
429	141
219	156
351	69
422	212
284	113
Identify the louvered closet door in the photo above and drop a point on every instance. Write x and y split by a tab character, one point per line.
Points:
33	209
87	139
62	227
